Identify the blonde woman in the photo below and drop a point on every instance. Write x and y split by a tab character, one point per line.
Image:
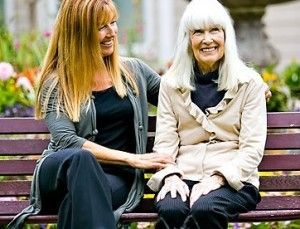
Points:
95	106
212	121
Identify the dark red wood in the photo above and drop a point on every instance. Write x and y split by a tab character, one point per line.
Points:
12	207
22	126
283	120
275	120
279	183
269	183
17	167
274	215
280	162
283	141
253	216
30	125
23	146
279	203
39	219
15	188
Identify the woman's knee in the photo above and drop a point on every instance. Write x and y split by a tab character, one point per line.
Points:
82	155
205	208
173	211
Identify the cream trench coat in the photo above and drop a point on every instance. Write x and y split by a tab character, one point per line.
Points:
228	138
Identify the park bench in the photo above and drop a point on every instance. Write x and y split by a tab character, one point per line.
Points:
23	139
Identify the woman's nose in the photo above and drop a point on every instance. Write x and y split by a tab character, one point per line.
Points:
111	30
207	38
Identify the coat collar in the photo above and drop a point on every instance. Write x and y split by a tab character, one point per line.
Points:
198	114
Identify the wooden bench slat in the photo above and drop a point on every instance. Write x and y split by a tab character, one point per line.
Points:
279	202
12	207
287	141
23	146
279	183
267	203
275	120
280	162
26	125
252	216
146	205
15	188
22	126
269	163
260	216
283	120
283	141
17	167
267	183
37	219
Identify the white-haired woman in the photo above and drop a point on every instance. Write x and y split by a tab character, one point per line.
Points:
212	121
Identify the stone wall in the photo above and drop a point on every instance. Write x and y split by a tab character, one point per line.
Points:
283	29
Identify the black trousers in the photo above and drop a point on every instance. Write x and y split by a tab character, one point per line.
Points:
211	211
73	184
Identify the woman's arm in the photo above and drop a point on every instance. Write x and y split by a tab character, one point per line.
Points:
166	136
143	161
252	138
64	135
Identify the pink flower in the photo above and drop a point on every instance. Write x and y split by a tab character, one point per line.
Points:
47	34
24	82
6	71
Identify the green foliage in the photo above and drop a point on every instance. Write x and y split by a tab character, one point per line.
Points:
14	90
27	52
291	76
20	60
280	92
11	94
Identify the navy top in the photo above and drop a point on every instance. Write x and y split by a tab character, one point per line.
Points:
206	92
115	126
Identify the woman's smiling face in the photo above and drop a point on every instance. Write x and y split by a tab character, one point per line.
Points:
208	47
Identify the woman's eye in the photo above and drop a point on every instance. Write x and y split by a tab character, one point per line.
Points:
214	30
198	31
102	28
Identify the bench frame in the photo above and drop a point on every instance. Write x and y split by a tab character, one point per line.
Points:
23	139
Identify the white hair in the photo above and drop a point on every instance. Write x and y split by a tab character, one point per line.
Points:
232	70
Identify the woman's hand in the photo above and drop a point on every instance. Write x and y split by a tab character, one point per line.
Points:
174	184
207	185
268	93
150	160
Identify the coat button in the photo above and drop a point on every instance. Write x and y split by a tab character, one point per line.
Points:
141	127
95	132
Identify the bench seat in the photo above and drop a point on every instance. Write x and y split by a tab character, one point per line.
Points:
23	139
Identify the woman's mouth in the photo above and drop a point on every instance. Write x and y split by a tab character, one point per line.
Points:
210	49
107	43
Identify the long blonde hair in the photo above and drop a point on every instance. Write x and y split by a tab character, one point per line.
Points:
74	57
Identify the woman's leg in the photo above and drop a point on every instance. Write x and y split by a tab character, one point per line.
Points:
74	180
173	211
120	186
214	210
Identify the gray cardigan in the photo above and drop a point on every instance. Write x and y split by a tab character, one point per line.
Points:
67	134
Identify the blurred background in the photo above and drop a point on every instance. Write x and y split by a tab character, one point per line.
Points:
268	33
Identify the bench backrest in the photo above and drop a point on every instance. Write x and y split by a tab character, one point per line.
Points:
23	139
